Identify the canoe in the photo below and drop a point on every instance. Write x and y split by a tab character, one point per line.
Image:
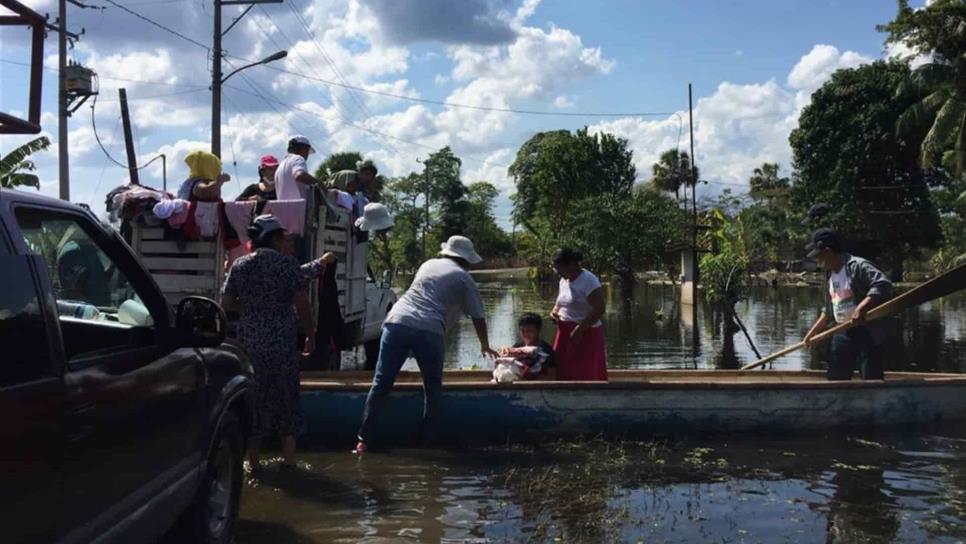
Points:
635	403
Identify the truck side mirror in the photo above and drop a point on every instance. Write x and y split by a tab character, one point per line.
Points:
201	322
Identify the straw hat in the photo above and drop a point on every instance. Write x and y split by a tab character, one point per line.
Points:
375	217
462	247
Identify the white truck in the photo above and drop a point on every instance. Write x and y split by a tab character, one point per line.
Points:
189	268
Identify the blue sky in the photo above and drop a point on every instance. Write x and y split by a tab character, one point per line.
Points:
754	65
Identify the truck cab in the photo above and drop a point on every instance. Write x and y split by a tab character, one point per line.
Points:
120	415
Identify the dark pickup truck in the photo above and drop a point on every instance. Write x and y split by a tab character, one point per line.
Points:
121	419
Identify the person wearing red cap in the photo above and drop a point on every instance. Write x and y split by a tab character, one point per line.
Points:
264	189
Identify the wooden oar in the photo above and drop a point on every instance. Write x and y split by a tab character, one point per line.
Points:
940	286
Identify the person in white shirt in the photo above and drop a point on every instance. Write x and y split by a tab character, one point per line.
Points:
292	179
441	292
579	344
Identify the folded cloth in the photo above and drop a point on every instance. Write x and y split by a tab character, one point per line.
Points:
342	199
290	213
164	209
206	217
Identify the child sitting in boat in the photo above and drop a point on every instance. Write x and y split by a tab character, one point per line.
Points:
530	358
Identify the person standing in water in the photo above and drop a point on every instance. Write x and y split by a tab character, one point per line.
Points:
441	291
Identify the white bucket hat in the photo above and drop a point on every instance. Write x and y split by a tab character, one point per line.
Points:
375	217
462	247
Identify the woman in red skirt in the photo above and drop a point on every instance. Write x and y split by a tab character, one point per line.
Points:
579	344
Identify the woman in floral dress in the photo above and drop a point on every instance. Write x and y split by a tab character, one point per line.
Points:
268	289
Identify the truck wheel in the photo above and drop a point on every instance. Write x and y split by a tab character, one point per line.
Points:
372	353
211	517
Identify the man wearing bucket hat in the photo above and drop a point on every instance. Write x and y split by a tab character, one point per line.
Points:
441	290
853	286
292	179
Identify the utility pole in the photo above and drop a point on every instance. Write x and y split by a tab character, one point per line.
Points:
217	54
216	82
132	161
63	162
694	225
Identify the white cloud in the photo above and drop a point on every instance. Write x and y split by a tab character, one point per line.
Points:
562	102
737	127
817	66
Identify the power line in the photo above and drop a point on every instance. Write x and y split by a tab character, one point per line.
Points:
159	25
112	78
467	106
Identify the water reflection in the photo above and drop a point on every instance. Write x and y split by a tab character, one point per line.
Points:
828	488
647	329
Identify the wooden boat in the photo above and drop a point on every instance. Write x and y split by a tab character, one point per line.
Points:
636	403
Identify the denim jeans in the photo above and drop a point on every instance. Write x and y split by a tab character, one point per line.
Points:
848	348
397	342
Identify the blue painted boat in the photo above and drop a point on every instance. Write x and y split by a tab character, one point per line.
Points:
635	403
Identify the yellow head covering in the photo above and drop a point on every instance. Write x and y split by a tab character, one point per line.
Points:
203	165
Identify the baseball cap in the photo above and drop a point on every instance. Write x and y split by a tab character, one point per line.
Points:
822	239
266	224
816	212
298	139
268	161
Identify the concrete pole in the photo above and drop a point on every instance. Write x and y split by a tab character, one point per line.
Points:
64	163
216	83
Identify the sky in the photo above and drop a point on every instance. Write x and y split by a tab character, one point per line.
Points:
357	70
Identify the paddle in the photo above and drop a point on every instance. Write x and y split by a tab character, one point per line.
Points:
940	286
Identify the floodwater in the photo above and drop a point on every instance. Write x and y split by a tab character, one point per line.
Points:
900	485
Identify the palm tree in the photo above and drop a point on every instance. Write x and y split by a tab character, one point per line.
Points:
939	114
765	181
672	170
14	166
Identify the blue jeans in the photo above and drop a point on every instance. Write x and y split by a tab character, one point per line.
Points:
848	349
397	342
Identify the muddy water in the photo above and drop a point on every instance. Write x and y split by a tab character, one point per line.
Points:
847	488
896	486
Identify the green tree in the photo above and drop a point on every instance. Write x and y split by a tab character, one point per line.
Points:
847	152
481	227
446	192
553	171
16	166
766	183
335	162
939	116
672	171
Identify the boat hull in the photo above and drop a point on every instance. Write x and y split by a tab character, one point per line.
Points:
638	404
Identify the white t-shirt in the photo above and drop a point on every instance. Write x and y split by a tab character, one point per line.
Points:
440	293
286	188
572	298
840	290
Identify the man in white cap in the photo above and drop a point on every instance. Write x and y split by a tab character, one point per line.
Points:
441	291
292	179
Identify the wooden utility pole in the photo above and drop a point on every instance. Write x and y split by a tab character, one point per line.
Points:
694	230
63	161
132	161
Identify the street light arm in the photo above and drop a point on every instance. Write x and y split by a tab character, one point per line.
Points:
271	58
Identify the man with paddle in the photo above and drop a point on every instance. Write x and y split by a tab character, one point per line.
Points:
853	286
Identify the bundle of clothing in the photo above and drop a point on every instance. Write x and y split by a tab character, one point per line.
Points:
135	203
521	362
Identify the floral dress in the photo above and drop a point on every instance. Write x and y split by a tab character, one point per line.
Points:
265	283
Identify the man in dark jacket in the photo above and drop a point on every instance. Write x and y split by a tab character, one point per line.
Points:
853	286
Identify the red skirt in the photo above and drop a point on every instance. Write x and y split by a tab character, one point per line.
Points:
583	360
